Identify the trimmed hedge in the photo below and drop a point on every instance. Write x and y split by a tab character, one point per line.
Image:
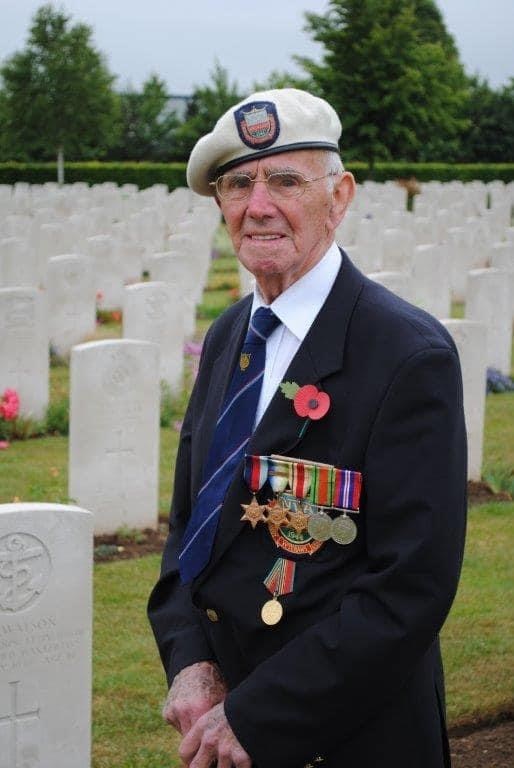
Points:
142	174
174	174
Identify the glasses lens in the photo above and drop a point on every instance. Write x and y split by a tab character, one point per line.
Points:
234	186
286	184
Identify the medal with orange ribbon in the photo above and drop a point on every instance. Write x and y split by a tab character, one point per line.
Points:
279	582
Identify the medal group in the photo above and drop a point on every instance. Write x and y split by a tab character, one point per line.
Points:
298	516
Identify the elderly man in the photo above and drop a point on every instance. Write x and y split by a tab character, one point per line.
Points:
318	516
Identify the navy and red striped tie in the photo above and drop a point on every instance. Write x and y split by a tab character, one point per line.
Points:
233	430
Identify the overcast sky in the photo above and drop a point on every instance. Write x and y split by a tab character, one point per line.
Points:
180	39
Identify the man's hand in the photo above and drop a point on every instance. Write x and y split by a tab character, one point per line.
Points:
212	741
194	691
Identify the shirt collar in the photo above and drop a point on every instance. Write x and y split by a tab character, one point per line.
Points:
299	305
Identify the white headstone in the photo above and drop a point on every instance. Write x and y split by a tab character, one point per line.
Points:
50	240
114	432
24	358
153	312
104	252
18	263
175	268
399	283
71	301
470	339
430	279
46	555
488	301
459	260
398	248
502	257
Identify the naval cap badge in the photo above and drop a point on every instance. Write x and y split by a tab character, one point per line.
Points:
257	124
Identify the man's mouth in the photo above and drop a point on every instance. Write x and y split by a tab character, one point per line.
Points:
265	237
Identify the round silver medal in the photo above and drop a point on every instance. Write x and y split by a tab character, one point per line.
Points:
320	526
343	530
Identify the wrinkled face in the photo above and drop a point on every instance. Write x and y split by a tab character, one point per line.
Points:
279	240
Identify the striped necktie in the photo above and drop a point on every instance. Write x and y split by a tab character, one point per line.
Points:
233	430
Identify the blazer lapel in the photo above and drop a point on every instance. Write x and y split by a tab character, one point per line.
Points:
320	355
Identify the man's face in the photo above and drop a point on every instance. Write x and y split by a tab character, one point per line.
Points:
279	240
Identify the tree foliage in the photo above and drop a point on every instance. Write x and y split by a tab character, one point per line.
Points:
57	93
147	124
277	79
491	119
392	72
207	105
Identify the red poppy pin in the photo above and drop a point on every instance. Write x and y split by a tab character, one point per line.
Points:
308	401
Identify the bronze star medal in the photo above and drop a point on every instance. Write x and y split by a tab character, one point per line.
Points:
277	515
298	521
253	512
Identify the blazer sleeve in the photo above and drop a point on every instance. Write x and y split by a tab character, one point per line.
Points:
352	662
173	617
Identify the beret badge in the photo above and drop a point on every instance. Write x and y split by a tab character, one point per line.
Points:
257	124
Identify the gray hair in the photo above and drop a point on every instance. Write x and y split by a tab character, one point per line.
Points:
333	166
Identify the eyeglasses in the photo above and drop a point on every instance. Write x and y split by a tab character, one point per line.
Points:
281	185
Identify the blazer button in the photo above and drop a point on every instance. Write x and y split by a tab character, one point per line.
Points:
212	615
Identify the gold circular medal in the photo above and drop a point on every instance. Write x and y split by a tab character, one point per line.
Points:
271	612
343	530
320	526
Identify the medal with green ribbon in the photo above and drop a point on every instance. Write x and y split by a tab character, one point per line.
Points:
321	492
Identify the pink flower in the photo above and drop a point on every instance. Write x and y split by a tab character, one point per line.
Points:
9	405
193	348
309	401
4	445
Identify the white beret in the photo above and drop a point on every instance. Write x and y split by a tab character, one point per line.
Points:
265	123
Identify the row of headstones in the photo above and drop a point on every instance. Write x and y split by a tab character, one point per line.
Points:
452	247
159	311
116	256
91	210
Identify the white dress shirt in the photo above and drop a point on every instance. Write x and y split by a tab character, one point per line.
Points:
297	309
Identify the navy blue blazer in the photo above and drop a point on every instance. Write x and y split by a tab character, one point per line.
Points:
352	675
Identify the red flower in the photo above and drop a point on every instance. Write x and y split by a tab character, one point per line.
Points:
309	401
9	405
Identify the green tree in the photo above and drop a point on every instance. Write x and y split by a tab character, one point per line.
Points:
147	124
392	72
277	79
490	137
57	93
207	105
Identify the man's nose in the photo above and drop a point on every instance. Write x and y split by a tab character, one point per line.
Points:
260	202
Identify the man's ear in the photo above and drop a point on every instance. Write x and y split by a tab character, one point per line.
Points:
342	196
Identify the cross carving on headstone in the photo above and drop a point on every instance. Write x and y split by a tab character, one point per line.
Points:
12	720
119	448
